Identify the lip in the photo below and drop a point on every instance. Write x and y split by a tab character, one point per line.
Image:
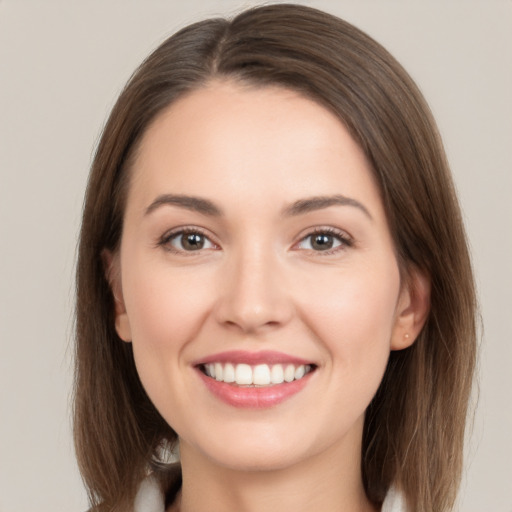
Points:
253	397
252	358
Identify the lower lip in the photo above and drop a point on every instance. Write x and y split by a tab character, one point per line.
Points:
254	397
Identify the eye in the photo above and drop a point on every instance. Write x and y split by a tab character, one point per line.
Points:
324	240
187	240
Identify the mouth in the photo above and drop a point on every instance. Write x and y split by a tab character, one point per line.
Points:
254	380
260	375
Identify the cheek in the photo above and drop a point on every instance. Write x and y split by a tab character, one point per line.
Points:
166	308
354	316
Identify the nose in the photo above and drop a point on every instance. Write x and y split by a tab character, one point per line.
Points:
254	296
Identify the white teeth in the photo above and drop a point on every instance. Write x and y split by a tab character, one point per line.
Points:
229	373
258	375
218	371
243	374
261	375
300	371
289	373
277	374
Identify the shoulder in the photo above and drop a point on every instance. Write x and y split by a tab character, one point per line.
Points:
150	498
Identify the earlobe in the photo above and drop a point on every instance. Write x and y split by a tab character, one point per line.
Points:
112	269
412	310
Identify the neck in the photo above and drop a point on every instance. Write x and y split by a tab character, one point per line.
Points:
329	481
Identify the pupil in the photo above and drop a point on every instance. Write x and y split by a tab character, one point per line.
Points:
193	242
322	242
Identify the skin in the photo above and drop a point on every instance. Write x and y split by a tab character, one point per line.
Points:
258	283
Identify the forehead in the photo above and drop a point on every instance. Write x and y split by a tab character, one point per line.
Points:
226	137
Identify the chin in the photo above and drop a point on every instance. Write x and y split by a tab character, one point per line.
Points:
259	449
259	459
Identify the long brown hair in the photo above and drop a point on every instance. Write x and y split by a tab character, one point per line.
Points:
414	427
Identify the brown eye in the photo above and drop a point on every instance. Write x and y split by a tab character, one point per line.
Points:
321	241
189	241
192	242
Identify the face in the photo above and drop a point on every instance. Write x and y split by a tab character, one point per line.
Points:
257	279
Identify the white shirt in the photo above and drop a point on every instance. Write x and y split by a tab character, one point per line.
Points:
150	499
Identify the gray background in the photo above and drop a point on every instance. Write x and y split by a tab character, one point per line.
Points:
62	65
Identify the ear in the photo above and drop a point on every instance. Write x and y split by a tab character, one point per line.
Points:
412	309
112	267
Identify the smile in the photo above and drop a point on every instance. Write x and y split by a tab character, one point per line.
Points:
254	380
255	375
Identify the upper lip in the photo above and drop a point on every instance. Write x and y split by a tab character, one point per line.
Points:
252	358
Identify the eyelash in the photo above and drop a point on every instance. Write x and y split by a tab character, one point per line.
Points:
345	240
165	240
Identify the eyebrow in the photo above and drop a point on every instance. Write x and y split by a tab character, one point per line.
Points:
299	207
320	202
195	204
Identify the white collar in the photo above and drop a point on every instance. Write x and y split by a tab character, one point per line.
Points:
394	502
151	499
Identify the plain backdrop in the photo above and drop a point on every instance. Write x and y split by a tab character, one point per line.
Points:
62	64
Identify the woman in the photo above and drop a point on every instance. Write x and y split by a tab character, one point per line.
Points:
273	276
